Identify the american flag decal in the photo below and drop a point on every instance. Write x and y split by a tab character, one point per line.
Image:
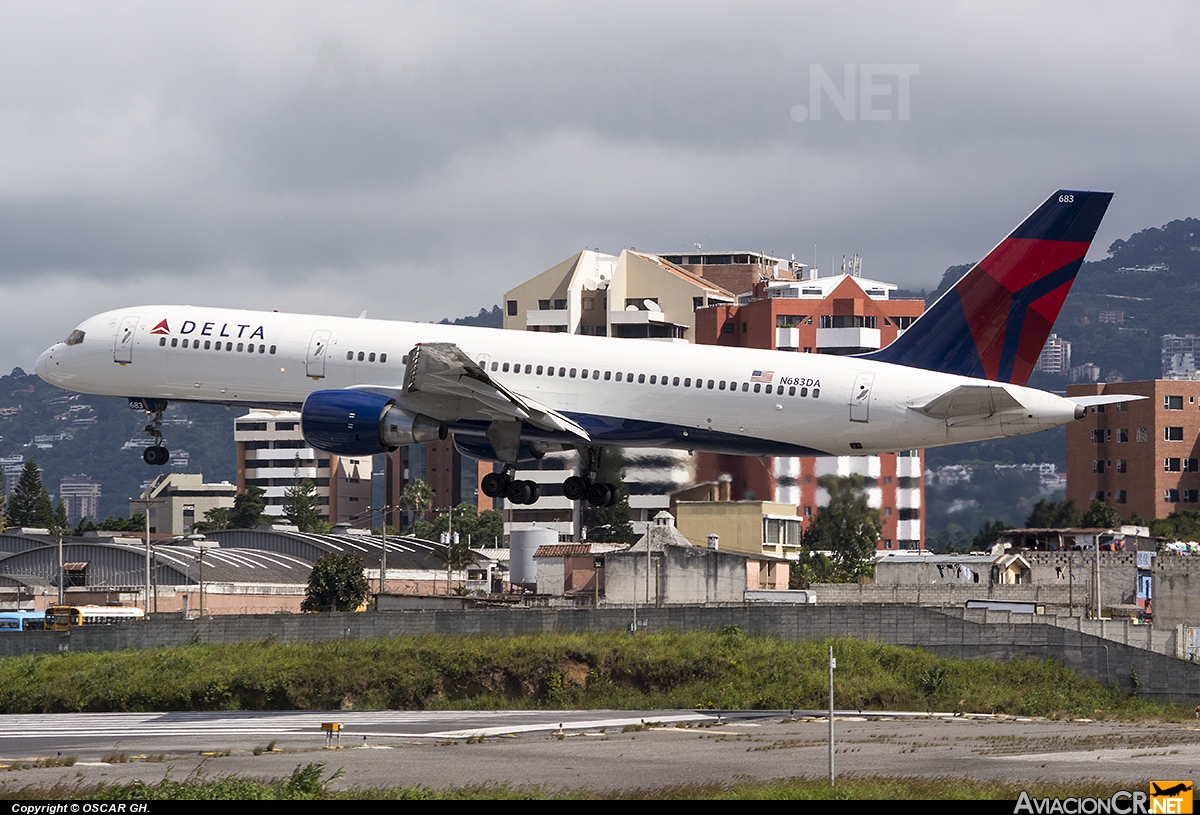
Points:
762	376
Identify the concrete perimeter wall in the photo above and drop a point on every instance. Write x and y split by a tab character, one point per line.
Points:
1001	637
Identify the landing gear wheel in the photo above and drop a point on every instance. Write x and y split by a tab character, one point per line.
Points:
156	456
614	495
575	488
494	485
522	492
599	495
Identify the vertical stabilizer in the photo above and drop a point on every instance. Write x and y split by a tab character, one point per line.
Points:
993	323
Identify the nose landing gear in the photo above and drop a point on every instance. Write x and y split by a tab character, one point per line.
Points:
157	455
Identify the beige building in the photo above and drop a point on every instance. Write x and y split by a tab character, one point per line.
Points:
179	500
750	527
631	295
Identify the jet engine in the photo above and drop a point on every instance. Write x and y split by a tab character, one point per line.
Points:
358	423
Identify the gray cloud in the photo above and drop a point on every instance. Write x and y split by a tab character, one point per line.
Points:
419	159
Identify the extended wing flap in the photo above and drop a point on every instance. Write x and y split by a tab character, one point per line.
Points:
964	401
439	371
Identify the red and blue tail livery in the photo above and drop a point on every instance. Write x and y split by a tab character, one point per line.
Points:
993	323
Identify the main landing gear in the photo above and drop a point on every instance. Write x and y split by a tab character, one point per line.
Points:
586	487
495	485
157	455
576	488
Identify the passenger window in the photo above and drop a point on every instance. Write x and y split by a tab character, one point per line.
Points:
272	349
608	376
664	380
710	384
721	385
562	371
792	390
757	387
382	358
768	388
653	379
745	387
495	366
641	378
687	383
675	381
403	359
620	376
816	393
174	342
504	369
572	373
803	392
371	357
162	341
262	349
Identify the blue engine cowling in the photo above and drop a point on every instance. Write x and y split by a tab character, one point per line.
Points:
479	448
358	423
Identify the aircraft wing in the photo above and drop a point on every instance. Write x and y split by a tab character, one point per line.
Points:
443	382
970	402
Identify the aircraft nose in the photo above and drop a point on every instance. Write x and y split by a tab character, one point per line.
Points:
43	364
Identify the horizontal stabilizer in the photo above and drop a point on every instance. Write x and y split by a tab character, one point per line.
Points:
970	400
1105	399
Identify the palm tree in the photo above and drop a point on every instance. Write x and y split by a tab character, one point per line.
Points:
417	497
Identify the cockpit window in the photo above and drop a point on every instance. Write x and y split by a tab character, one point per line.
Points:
75	338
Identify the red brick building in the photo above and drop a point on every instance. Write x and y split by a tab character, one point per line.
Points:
834	315
1141	456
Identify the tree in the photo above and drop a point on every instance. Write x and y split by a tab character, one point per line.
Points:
611	524
302	505
417	498
455	553
248	508
61	522
1100	514
29	504
846	527
214	519
1054	515
988	534
336	583
1180	525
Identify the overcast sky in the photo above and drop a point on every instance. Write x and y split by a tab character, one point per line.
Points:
418	159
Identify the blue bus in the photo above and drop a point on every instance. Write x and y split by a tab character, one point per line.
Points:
22	621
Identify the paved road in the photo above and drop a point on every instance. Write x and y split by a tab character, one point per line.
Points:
525	747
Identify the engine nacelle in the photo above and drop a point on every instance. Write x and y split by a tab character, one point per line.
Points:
479	448
358	423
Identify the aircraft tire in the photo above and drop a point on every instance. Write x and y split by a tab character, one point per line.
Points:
519	492
575	488
494	485
614	495
156	456
598	495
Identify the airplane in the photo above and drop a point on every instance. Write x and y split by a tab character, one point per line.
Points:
957	374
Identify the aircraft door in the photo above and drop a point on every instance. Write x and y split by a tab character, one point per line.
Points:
860	398
318	348
123	342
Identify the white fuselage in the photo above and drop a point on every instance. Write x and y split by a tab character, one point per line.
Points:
771	402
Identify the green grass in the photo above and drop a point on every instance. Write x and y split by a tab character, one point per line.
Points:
697	670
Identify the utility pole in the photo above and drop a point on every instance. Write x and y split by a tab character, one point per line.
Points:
832	665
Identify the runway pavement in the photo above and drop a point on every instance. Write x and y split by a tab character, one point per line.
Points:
603	750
